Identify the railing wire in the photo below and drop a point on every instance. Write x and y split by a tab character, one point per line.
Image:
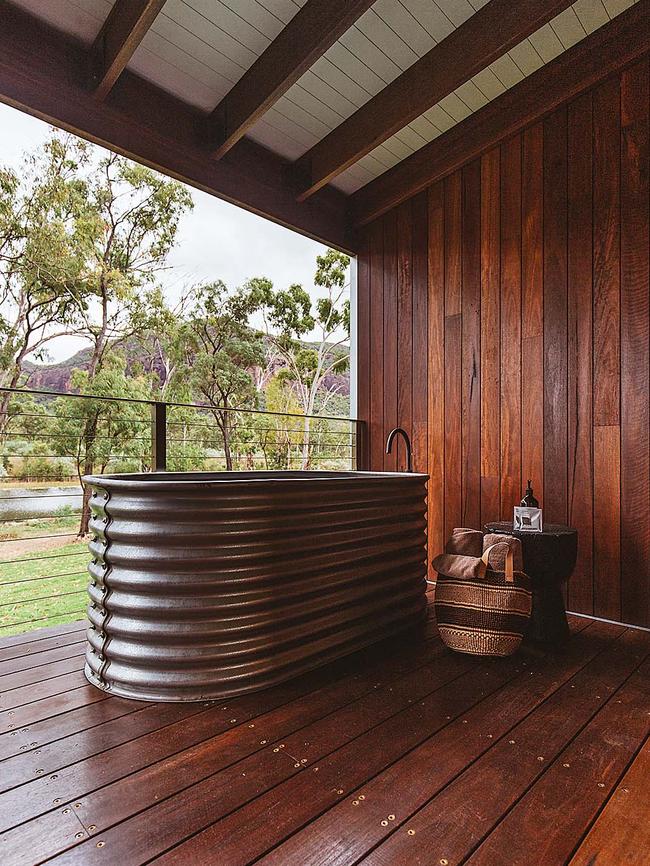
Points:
47	443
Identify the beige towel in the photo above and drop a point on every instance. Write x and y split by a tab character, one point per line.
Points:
465	542
497	559
459	567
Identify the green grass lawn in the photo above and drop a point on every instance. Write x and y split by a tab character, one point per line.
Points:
42	587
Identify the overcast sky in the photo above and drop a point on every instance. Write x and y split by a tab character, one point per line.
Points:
216	241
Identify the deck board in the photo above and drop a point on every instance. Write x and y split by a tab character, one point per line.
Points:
622	829
335	767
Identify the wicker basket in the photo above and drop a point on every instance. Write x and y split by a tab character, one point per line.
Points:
483	614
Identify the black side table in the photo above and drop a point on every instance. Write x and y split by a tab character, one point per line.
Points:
549	560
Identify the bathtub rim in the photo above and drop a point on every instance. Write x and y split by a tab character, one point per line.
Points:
170	480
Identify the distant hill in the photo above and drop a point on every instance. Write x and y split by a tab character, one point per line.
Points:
56	377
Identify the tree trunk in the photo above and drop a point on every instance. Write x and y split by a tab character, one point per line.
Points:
306	448
5	398
85	505
225	435
89	437
90	433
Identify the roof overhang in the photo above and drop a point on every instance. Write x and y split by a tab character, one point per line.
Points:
90	90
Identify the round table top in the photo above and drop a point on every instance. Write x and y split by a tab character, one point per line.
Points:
549	528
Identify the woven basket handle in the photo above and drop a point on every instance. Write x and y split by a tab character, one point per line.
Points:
510	567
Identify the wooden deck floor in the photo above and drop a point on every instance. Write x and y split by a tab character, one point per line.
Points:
403	754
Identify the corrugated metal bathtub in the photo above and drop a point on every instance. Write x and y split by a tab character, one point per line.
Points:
212	584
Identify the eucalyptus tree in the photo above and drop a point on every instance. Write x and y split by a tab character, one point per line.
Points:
133	219
84	234
218	351
290	317
45	232
136	214
104	431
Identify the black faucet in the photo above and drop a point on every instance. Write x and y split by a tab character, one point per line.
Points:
389	444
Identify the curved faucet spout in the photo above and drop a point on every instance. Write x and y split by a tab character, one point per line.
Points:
404	434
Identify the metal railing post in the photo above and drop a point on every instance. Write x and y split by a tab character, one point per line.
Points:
159	437
360	446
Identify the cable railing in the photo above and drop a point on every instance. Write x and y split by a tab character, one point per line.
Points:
49	440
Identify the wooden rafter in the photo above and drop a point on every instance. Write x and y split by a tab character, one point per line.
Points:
41	73
123	30
306	37
608	49
487	35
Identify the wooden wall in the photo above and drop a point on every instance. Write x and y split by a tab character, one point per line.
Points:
504	321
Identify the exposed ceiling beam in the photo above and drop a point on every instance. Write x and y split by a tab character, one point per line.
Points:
486	36
308	35
607	50
42	73
123	30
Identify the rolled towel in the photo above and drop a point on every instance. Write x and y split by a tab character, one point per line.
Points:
465	542
497	559
459	567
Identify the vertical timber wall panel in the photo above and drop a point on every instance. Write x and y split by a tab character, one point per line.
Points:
555	317
607	371
490	336
635	336
510	324
436	369
471	345
509	316
579	349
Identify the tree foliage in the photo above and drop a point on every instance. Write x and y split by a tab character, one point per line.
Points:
290	315
44	224
217	350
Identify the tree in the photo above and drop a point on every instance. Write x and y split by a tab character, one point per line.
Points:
82	236
186	442
218	349
135	214
95	433
44	233
81	241
277	436
132	222
289	316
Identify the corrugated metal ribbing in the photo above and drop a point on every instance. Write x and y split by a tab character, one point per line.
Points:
206	585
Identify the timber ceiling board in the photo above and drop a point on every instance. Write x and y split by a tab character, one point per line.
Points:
197	50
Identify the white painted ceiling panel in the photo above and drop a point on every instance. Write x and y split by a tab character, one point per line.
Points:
568	28
277	141
81	18
488	83
431	17
209	42
592	14
282	9
546	43
458	11
186	27
409	30
221	16
348	73
377	31
175	81
368	53
615	7
260	15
